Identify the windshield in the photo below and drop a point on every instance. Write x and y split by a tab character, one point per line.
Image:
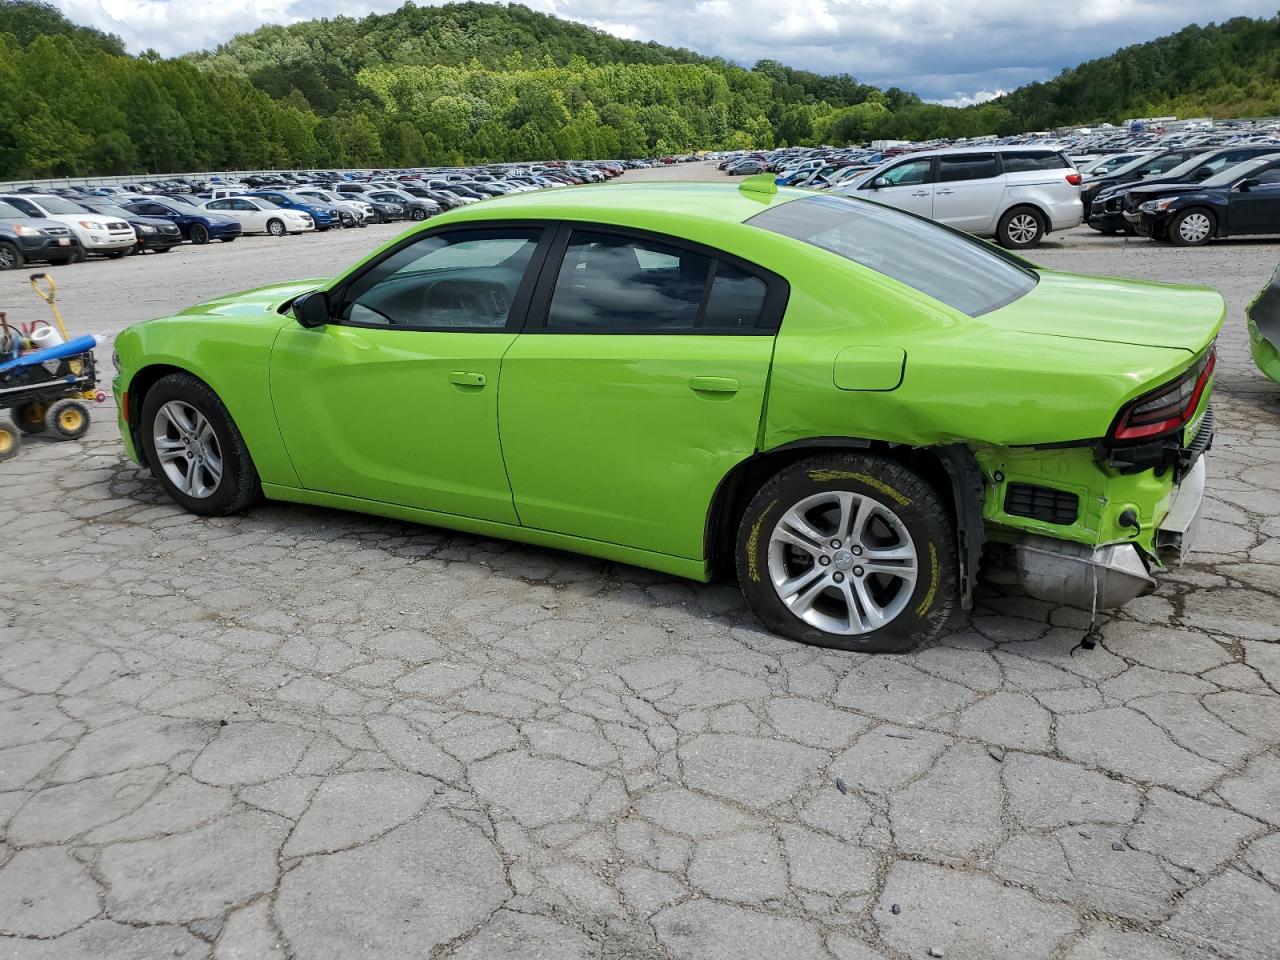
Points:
1188	167
1136	164
109	210
1229	175
949	266
57	205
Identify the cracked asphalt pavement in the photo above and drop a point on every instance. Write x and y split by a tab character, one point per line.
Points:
301	733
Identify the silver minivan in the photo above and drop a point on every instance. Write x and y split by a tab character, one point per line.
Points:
1015	194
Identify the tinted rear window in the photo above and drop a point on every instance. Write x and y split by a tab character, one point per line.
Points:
967	166
952	267
1040	160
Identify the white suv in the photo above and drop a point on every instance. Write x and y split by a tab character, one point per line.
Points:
1015	194
97	233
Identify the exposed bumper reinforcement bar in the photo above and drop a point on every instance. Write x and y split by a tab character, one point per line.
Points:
1076	575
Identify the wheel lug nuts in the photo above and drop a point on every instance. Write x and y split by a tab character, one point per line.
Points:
835	544
824	561
857	551
838	577
857	571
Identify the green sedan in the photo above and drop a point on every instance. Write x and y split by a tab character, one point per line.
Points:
845	406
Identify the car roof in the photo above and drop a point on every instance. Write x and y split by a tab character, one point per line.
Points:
638	202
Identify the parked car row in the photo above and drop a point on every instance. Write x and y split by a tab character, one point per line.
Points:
1203	182
65	224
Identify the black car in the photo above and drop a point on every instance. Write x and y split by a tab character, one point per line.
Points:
1106	212
23	239
154	233
416	208
1242	200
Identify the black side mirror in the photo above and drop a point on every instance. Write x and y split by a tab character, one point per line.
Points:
312	309
1247	184
1203	173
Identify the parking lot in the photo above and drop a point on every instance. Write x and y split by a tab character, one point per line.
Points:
310	734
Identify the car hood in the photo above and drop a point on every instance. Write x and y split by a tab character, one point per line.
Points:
1114	310
1161	189
261	300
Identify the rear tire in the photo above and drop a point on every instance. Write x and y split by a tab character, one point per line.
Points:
29	417
237	486
1020	229
881	514
1193	227
10	257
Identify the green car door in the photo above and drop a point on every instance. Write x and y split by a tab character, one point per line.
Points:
637	385
395	400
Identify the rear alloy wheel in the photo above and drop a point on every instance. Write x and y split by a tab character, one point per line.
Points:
853	551
1192	228
1020	229
10	257
199	235
275	228
195	449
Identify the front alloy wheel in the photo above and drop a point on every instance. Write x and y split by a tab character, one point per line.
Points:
854	551
199	235
195	449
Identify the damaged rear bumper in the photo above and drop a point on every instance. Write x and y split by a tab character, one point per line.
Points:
1103	578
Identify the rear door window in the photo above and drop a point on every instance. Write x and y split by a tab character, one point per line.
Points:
1029	161
967	166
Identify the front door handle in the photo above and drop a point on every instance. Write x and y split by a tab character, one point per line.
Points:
921	193
464	379
714	384
946	192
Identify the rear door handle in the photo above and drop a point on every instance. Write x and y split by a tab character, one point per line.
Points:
921	193
946	192
714	384
464	379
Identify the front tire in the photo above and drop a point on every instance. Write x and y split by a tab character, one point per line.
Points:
199	235
854	552
275	228
1020	229
418	214
10	257
1192	228
194	448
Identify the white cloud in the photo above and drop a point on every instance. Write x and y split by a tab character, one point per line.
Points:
952	51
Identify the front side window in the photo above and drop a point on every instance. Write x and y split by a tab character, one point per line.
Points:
221	205
1268	177
907	174
953	268
464	280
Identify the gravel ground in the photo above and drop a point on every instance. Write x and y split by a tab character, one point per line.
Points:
304	733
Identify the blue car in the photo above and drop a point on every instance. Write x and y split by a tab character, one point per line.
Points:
324	216
196	225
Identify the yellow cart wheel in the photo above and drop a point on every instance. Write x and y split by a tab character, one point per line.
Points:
10	440
29	417
67	420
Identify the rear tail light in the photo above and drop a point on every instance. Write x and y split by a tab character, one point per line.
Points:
1074	179
1167	408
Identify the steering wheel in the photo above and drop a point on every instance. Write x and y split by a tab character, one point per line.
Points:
450	303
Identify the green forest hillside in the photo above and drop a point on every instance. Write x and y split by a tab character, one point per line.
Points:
474	82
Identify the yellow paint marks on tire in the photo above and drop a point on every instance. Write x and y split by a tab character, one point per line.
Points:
825	476
927	602
753	540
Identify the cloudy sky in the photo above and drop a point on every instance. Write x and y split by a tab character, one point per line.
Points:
952	51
